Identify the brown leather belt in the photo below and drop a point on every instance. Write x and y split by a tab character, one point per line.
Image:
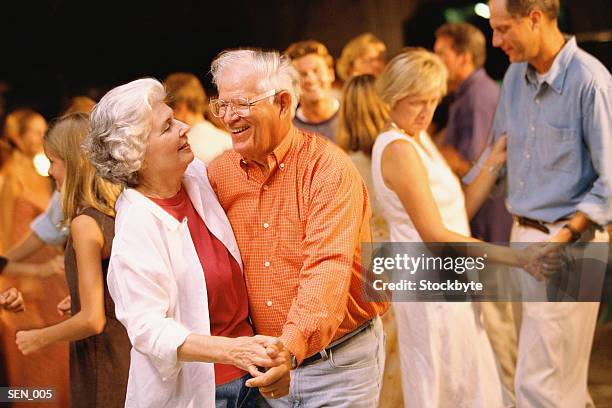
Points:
324	354
535	224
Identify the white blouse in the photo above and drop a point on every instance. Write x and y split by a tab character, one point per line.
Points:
157	283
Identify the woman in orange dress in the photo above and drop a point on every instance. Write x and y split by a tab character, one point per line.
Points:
25	194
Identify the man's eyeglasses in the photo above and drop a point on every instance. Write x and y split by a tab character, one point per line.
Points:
240	106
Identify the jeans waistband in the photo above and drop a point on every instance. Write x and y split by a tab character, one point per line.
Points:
324	354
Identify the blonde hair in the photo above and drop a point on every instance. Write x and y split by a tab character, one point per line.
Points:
80	103
16	124
82	188
353	50
412	71
185	87
362	115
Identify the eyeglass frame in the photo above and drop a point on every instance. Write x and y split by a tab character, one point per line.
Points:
249	103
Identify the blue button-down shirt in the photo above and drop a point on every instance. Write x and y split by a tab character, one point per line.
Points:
559	128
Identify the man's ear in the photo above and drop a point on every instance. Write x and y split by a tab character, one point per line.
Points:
535	18
466	58
284	100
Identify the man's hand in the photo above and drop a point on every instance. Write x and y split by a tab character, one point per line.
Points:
532	259
12	300
275	382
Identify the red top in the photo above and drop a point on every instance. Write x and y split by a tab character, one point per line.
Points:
227	296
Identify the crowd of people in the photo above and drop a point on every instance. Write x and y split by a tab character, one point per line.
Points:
201	252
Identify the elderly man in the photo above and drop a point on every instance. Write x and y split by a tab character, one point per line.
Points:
319	110
300	212
555	107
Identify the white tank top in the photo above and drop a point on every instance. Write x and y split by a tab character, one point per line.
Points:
445	188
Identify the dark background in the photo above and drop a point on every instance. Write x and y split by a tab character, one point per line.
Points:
52	50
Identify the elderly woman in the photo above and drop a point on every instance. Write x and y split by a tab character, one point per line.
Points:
445	354
175	271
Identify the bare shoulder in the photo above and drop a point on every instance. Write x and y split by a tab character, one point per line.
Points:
85	229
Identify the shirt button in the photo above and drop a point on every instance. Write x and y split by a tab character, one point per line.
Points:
527	155
282	165
532	128
267	264
265	187
269	303
266	225
537	101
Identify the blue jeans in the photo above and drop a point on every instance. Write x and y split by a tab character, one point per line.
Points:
235	394
350	378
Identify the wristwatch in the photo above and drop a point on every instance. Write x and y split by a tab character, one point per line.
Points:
575	233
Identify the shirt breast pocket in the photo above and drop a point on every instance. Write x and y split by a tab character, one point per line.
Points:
556	148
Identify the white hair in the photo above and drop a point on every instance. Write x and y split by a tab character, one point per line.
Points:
272	70
120	127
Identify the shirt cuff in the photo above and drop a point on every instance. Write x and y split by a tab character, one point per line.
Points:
164	354
294	342
598	212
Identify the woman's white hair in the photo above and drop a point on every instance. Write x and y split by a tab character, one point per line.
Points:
272	70
413	71
120	126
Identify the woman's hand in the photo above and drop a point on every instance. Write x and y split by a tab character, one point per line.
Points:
249	353
30	341
497	157
63	307
541	260
12	300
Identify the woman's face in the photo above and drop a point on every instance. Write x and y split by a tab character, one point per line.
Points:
168	151
57	169
371	61
31	140
413	113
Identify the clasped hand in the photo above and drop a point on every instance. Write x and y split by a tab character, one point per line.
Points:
270	354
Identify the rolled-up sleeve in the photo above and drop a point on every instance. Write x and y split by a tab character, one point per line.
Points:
47	225
140	282
337	210
597	131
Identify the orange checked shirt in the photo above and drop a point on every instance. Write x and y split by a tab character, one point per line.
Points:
299	230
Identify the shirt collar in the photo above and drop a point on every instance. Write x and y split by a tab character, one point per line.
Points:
278	154
555	77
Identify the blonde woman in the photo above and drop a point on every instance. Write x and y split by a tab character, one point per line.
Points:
364	54
99	348
362	117
24	193
445	354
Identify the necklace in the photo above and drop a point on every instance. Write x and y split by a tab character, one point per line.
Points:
399	129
